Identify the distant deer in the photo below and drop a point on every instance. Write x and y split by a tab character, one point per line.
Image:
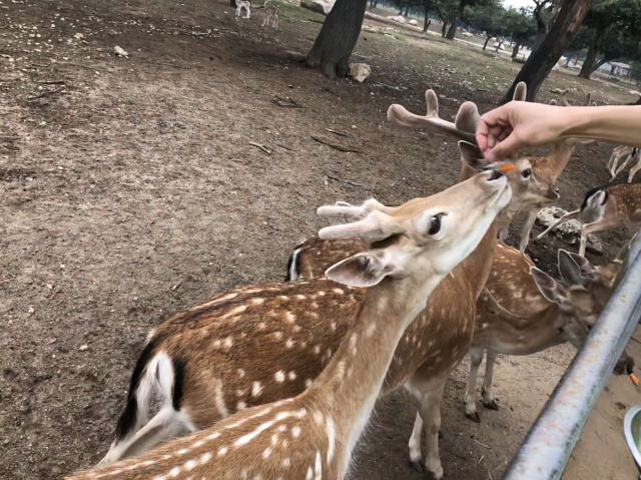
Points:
313	434
548	168
523	310
605	208
243	5
245	352
271	13
624	154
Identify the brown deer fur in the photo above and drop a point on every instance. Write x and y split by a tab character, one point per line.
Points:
312	435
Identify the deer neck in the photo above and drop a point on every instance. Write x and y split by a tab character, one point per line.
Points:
478	265
348	387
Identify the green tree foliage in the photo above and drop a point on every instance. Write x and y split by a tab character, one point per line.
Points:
615	26
521	27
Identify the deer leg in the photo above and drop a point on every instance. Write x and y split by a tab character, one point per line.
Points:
588	228
504	232
622	167
633	171
476	357
527	230
488	397
416	456
429	394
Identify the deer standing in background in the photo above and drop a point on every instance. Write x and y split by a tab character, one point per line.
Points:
271	14
243	5
312	435
523	311
605	208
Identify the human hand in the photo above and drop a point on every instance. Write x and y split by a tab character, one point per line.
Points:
504	131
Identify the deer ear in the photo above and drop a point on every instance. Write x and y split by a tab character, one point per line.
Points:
361	270
520	92
549	288
471	155
570	269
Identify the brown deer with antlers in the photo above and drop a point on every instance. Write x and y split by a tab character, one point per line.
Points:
249	352
522	310
605	208
312	435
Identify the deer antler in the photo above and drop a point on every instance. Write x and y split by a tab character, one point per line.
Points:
354	211
520	92
401	117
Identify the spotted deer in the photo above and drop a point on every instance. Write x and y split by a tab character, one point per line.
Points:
548	168
605	208
275	349
312	435
272	10
522	310
243	5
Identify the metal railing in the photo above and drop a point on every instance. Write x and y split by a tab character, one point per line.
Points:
546	450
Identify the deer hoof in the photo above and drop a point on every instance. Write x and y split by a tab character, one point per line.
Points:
475	417
418	466
491	404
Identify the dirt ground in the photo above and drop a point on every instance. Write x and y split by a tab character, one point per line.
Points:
129	190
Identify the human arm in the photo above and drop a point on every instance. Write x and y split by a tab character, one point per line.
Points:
516	125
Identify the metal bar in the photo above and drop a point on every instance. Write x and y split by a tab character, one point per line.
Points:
546	449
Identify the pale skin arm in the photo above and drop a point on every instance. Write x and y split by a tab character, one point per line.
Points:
517	125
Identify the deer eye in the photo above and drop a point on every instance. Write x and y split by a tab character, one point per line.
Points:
434	225
527	173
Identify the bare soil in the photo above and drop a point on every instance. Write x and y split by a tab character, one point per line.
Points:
129	190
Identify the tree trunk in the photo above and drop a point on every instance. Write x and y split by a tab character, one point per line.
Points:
487	40
541	25
459	14
595	48
499	43
232	3
567	62
337	38
515	51
407	10
544	57
444	28
426	20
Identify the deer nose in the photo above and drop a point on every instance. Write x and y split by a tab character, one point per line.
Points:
495	175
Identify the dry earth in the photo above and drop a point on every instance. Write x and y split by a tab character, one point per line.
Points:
129	190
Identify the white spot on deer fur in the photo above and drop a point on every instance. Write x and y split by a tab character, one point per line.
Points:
301	297
284	298
292	375
197	444
287	462
314	305
217	344
289	343
318	467
213	436
352	344
310	473
279	376
330	430
190	465
274	438
484	325
234	311
228	342
321	293
282	428
257	301
182	451
369	331
333	326
316	349
205	457
338	291
219	398
318	417
241	373
308	383
296	431
278	335
267	452
241	406
261	326
290	317
257	389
